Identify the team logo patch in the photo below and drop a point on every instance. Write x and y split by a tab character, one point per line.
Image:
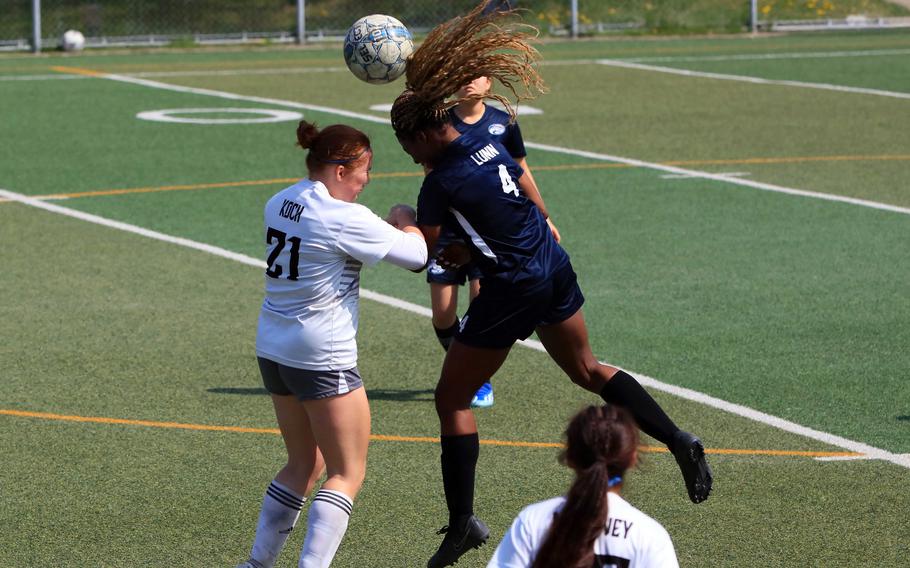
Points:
496	129
434	268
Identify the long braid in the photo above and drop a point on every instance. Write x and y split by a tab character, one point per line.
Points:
487	42
601	442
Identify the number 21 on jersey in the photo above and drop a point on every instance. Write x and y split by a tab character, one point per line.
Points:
275	270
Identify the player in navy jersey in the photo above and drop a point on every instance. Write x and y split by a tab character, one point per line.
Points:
471	116
528	282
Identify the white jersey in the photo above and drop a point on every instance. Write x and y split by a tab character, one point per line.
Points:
631	539
315	247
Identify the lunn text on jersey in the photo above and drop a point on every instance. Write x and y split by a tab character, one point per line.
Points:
291	210
485	154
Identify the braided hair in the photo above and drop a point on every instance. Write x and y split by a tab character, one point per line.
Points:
487	42
601	444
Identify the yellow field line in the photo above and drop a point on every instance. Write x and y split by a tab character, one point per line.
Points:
387	438
598	166
78	71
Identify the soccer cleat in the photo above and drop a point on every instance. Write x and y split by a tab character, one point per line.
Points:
690	455
484	397
248	564
470	533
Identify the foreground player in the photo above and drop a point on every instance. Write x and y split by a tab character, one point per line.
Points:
592	525
317	239
529	284
471	116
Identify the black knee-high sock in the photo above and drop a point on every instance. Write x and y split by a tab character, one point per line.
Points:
445	336
459	460
625	391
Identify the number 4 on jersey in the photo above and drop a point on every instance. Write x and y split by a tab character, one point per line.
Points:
508	184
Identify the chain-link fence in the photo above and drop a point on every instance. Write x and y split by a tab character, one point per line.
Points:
143	22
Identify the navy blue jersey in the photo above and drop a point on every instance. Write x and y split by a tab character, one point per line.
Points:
475	184
494	124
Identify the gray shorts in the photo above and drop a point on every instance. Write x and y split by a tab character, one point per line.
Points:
305	384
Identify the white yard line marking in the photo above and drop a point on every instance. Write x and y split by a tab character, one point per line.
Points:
871	452
721	178
767	56
755	80
544	147
686	176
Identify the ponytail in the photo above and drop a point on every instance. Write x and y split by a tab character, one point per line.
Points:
335	144
601	443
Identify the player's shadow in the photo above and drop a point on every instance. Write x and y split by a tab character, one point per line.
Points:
238	390
400	395
904	418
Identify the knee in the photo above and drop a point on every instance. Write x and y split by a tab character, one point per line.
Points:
589	375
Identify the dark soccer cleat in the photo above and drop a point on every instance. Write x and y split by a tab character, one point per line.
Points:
690	455
469	533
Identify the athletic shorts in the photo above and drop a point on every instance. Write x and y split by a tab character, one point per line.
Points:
305	384
502	314
438	275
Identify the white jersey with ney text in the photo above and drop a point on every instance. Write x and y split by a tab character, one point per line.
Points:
315	247
630	539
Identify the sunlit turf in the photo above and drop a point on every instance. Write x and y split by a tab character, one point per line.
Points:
790	305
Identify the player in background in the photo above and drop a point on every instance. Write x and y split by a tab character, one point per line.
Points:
529	284
471	116
317	239
592	525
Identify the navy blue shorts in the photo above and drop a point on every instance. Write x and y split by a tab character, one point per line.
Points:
502	314
439	275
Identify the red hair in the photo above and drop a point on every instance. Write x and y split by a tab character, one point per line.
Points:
335	144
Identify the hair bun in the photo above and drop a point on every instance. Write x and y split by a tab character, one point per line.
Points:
306	133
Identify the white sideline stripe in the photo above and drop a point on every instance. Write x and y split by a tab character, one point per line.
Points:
342	68
239	72
687	394
719	177
755	80
236	97
765	56
544	147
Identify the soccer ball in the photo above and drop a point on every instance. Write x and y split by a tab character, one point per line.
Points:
377	47
72	40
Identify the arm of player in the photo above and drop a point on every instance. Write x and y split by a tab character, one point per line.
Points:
529	186
410	251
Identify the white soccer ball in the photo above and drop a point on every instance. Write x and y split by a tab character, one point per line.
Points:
377	47
72	40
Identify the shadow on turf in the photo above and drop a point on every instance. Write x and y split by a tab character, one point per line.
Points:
373	394
237	390
400	395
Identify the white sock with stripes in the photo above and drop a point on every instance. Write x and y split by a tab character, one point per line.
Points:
280	510
327	521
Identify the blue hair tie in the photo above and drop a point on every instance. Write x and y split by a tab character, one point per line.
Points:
614	481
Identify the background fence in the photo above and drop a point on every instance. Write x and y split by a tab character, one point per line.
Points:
159	22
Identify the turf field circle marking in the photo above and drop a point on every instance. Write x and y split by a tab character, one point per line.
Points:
173	115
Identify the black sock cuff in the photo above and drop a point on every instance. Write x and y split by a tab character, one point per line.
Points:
447	332
619	381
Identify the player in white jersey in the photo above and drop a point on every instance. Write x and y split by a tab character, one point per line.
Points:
317	240
592	526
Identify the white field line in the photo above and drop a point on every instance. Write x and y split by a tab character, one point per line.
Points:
719	177
342	68
544	147
729	407
755	80
767	56
687	394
